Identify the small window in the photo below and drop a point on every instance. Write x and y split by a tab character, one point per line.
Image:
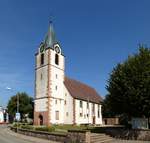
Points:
56	87
42	59
41	76
56	76
87	105
56	101
57	115
67	114
81	114
65	102
56	59
80	104
93	108
98	112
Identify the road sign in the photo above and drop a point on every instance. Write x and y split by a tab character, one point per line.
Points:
17	116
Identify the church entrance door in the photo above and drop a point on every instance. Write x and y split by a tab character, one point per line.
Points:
40	120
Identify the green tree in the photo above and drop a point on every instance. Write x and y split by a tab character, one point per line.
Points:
25	105
129	86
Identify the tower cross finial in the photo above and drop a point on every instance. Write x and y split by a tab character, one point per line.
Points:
51	18
50	22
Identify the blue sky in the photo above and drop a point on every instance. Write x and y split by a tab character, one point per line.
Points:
95	35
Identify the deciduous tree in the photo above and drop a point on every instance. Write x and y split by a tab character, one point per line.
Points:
25	105
129	86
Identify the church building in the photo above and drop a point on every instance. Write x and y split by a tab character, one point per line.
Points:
58	98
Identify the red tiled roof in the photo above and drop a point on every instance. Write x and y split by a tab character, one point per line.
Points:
82	91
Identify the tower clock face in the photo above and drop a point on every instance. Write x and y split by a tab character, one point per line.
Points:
42	48
57	49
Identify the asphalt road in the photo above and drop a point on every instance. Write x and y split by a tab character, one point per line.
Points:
7	136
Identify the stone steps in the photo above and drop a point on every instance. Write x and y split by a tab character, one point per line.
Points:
96	134
100	138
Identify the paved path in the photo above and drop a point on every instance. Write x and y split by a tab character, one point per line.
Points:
7	136
128	141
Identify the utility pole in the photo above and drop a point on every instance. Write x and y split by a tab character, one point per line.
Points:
17	113
88	110
17	109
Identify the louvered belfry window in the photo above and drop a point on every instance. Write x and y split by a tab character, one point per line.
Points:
56	59
42	59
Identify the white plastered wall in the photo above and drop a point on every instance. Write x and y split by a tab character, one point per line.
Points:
41	75
41	82
41	105
57	88
98	120
87	119
68	107
56	107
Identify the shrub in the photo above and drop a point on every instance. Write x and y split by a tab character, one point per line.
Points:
70	127
46	129
15	124
29	127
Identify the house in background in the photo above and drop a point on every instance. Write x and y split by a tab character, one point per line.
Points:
59	99
139	123
111	121
3	115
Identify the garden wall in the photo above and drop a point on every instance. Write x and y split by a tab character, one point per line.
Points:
121	132
72	135
132	134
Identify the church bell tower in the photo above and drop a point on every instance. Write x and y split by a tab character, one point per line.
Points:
49	79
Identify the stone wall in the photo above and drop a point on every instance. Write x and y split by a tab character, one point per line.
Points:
73	136
134	134
41	134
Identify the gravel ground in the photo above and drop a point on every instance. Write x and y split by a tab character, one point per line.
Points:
128	141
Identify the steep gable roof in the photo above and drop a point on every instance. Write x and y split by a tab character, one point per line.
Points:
82	91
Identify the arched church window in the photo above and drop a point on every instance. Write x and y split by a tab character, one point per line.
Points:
42	59
56	59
